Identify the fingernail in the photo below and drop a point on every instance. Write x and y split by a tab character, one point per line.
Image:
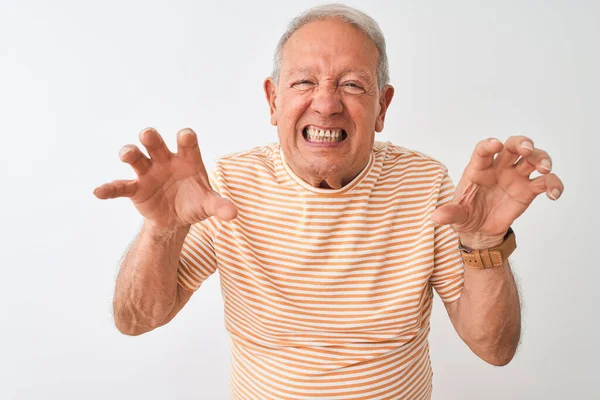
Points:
143	131
185	132
494	140
124	151
555	194
546	164
527	145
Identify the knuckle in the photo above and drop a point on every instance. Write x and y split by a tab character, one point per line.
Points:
539	185
517	139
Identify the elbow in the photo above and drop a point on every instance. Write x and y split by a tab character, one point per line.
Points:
129	329
134	318
495	350
127	324
499	360
498	355
496	347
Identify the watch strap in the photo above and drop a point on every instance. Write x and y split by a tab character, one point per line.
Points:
492	257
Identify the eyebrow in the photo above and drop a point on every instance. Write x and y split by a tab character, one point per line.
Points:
360	72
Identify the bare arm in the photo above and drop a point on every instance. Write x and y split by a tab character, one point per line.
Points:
487	316
494	190
172	192
146	293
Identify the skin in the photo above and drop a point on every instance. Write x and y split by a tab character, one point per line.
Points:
328	79
494	190
171	192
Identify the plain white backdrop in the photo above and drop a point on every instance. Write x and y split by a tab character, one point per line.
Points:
78	80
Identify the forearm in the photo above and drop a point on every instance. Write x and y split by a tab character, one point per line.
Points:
489	313
146	288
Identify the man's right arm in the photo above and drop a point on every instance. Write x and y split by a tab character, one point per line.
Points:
147	294
172	192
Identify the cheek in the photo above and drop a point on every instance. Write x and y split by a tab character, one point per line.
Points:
362	115
293	107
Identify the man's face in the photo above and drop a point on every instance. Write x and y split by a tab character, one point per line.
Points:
327	105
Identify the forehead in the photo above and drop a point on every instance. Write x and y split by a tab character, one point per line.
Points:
329	45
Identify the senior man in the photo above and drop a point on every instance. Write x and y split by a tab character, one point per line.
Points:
329	244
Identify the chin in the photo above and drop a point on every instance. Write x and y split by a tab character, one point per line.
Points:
323	169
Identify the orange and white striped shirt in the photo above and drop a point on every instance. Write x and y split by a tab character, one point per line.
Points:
328	293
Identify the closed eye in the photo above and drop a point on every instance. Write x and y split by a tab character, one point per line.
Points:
353	87
302	85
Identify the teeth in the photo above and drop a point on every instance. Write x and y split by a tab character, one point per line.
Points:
315	134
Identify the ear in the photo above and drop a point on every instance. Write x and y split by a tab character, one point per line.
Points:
271	94
384	102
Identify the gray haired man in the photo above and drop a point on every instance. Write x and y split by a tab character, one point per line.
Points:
329	243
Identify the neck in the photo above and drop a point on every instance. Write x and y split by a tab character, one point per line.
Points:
329	179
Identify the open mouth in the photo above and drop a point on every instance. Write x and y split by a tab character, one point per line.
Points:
316	135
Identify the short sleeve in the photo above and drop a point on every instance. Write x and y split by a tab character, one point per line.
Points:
448	271
198	259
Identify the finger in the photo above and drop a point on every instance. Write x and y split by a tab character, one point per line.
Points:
549	184
133	156
483	155
514	147
539	160
450	214
121	188
153	142
187	145
220	207
188	150
524	167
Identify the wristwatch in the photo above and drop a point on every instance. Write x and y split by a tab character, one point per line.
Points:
489	258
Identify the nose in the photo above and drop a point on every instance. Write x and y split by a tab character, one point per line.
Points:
327	101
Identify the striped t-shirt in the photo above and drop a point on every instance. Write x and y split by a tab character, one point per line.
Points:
328	293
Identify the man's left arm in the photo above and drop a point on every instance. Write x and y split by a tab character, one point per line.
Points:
494	190
487	315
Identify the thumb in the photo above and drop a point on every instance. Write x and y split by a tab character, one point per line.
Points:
450	214
220	207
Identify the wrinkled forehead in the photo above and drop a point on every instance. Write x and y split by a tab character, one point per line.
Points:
330	46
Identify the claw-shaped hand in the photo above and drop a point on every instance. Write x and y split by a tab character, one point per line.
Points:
495	190
171	190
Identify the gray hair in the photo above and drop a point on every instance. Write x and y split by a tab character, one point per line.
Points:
350	15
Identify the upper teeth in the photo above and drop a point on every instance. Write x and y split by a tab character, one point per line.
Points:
324	133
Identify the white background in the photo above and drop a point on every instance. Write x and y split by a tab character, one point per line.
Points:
78	80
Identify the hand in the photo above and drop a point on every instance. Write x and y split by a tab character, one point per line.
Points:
494	191
171	190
